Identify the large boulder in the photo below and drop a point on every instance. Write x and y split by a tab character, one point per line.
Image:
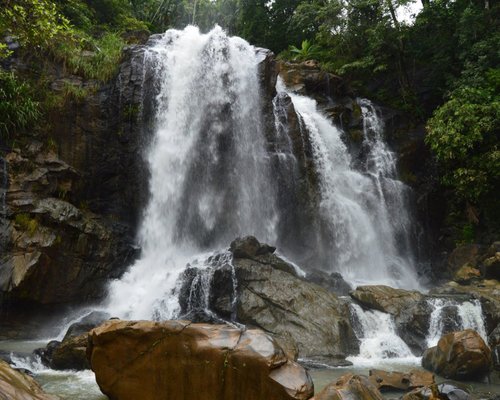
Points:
181	360
14	385
459	355
259	289
278	302
350	387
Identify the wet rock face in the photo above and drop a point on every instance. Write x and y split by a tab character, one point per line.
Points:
15	385
333	282
264	291
349	387
69	223
60	253
459	355
181	360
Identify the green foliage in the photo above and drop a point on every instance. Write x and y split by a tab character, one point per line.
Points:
36	24
95	58
468	234
305	52
18	108
464	133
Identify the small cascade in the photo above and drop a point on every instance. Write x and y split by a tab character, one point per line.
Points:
378	338
199	291
449	314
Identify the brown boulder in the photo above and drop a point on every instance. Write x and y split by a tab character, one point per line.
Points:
386	299
181	360
14	385
443	391
350	387
466	273
459	355
385	380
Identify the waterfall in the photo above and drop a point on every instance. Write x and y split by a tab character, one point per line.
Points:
378	338
363	210
210	171
450	315
217	171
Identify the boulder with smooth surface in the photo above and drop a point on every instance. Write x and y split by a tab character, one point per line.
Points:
350	387
459	355
180	360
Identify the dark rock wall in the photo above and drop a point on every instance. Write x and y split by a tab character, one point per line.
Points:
74	191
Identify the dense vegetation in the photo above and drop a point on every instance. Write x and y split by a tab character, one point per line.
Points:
443	68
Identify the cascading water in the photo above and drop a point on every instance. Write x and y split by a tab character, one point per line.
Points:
210	172
364	210
377	335
212	166
450	315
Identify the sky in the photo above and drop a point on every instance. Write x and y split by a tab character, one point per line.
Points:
407	13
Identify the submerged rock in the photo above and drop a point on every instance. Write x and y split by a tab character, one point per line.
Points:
181	360
459	355
385	380
350	387
15	385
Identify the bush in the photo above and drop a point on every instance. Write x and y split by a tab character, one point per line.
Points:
18	108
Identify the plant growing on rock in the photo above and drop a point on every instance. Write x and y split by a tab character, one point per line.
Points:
306	51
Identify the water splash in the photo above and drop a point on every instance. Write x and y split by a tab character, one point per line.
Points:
450	315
